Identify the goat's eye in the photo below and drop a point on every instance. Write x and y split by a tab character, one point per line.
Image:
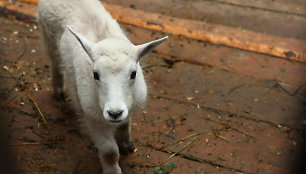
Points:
133	75
96	76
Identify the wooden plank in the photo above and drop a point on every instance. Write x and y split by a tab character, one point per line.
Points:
20	10
29	1
216	34
251	18
282	6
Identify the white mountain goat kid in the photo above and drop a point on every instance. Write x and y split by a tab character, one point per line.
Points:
98	68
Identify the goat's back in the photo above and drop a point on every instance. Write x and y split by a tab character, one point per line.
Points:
88	17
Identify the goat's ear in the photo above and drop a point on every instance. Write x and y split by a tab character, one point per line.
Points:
144	49
86	44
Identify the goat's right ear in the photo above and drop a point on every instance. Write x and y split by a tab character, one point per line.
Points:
86	44
144	49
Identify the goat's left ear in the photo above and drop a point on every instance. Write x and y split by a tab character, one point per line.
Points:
144	49
86	44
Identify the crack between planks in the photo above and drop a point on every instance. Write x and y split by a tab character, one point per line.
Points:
256	8
230	113
193	158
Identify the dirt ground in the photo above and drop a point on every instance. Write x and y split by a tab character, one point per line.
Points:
224	110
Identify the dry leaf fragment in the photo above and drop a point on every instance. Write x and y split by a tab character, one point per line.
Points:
190	98
5	67
211	91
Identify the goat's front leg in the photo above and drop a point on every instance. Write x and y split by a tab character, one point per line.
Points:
103	138
123	138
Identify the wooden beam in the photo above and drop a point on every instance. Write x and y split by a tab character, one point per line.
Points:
29	1
287	48
21	10
294	7
215	34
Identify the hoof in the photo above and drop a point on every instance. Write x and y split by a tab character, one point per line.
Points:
126	149
59	95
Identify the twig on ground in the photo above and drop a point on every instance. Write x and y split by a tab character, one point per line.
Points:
41	136
221	137
8	77
180	150
172	154
158	121
11	75
189	157
42	116
236	87
153	65
229	126
37	143
24	50
183	139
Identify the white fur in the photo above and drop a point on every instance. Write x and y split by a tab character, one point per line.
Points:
82	38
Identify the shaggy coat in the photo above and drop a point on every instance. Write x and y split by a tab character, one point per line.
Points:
96	66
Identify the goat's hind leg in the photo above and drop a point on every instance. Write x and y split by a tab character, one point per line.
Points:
123	138
57	80
57	74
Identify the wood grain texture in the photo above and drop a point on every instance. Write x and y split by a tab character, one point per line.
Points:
296	7
216	34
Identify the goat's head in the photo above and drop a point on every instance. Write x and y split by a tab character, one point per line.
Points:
117	73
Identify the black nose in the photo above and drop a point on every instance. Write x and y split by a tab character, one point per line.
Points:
115	114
